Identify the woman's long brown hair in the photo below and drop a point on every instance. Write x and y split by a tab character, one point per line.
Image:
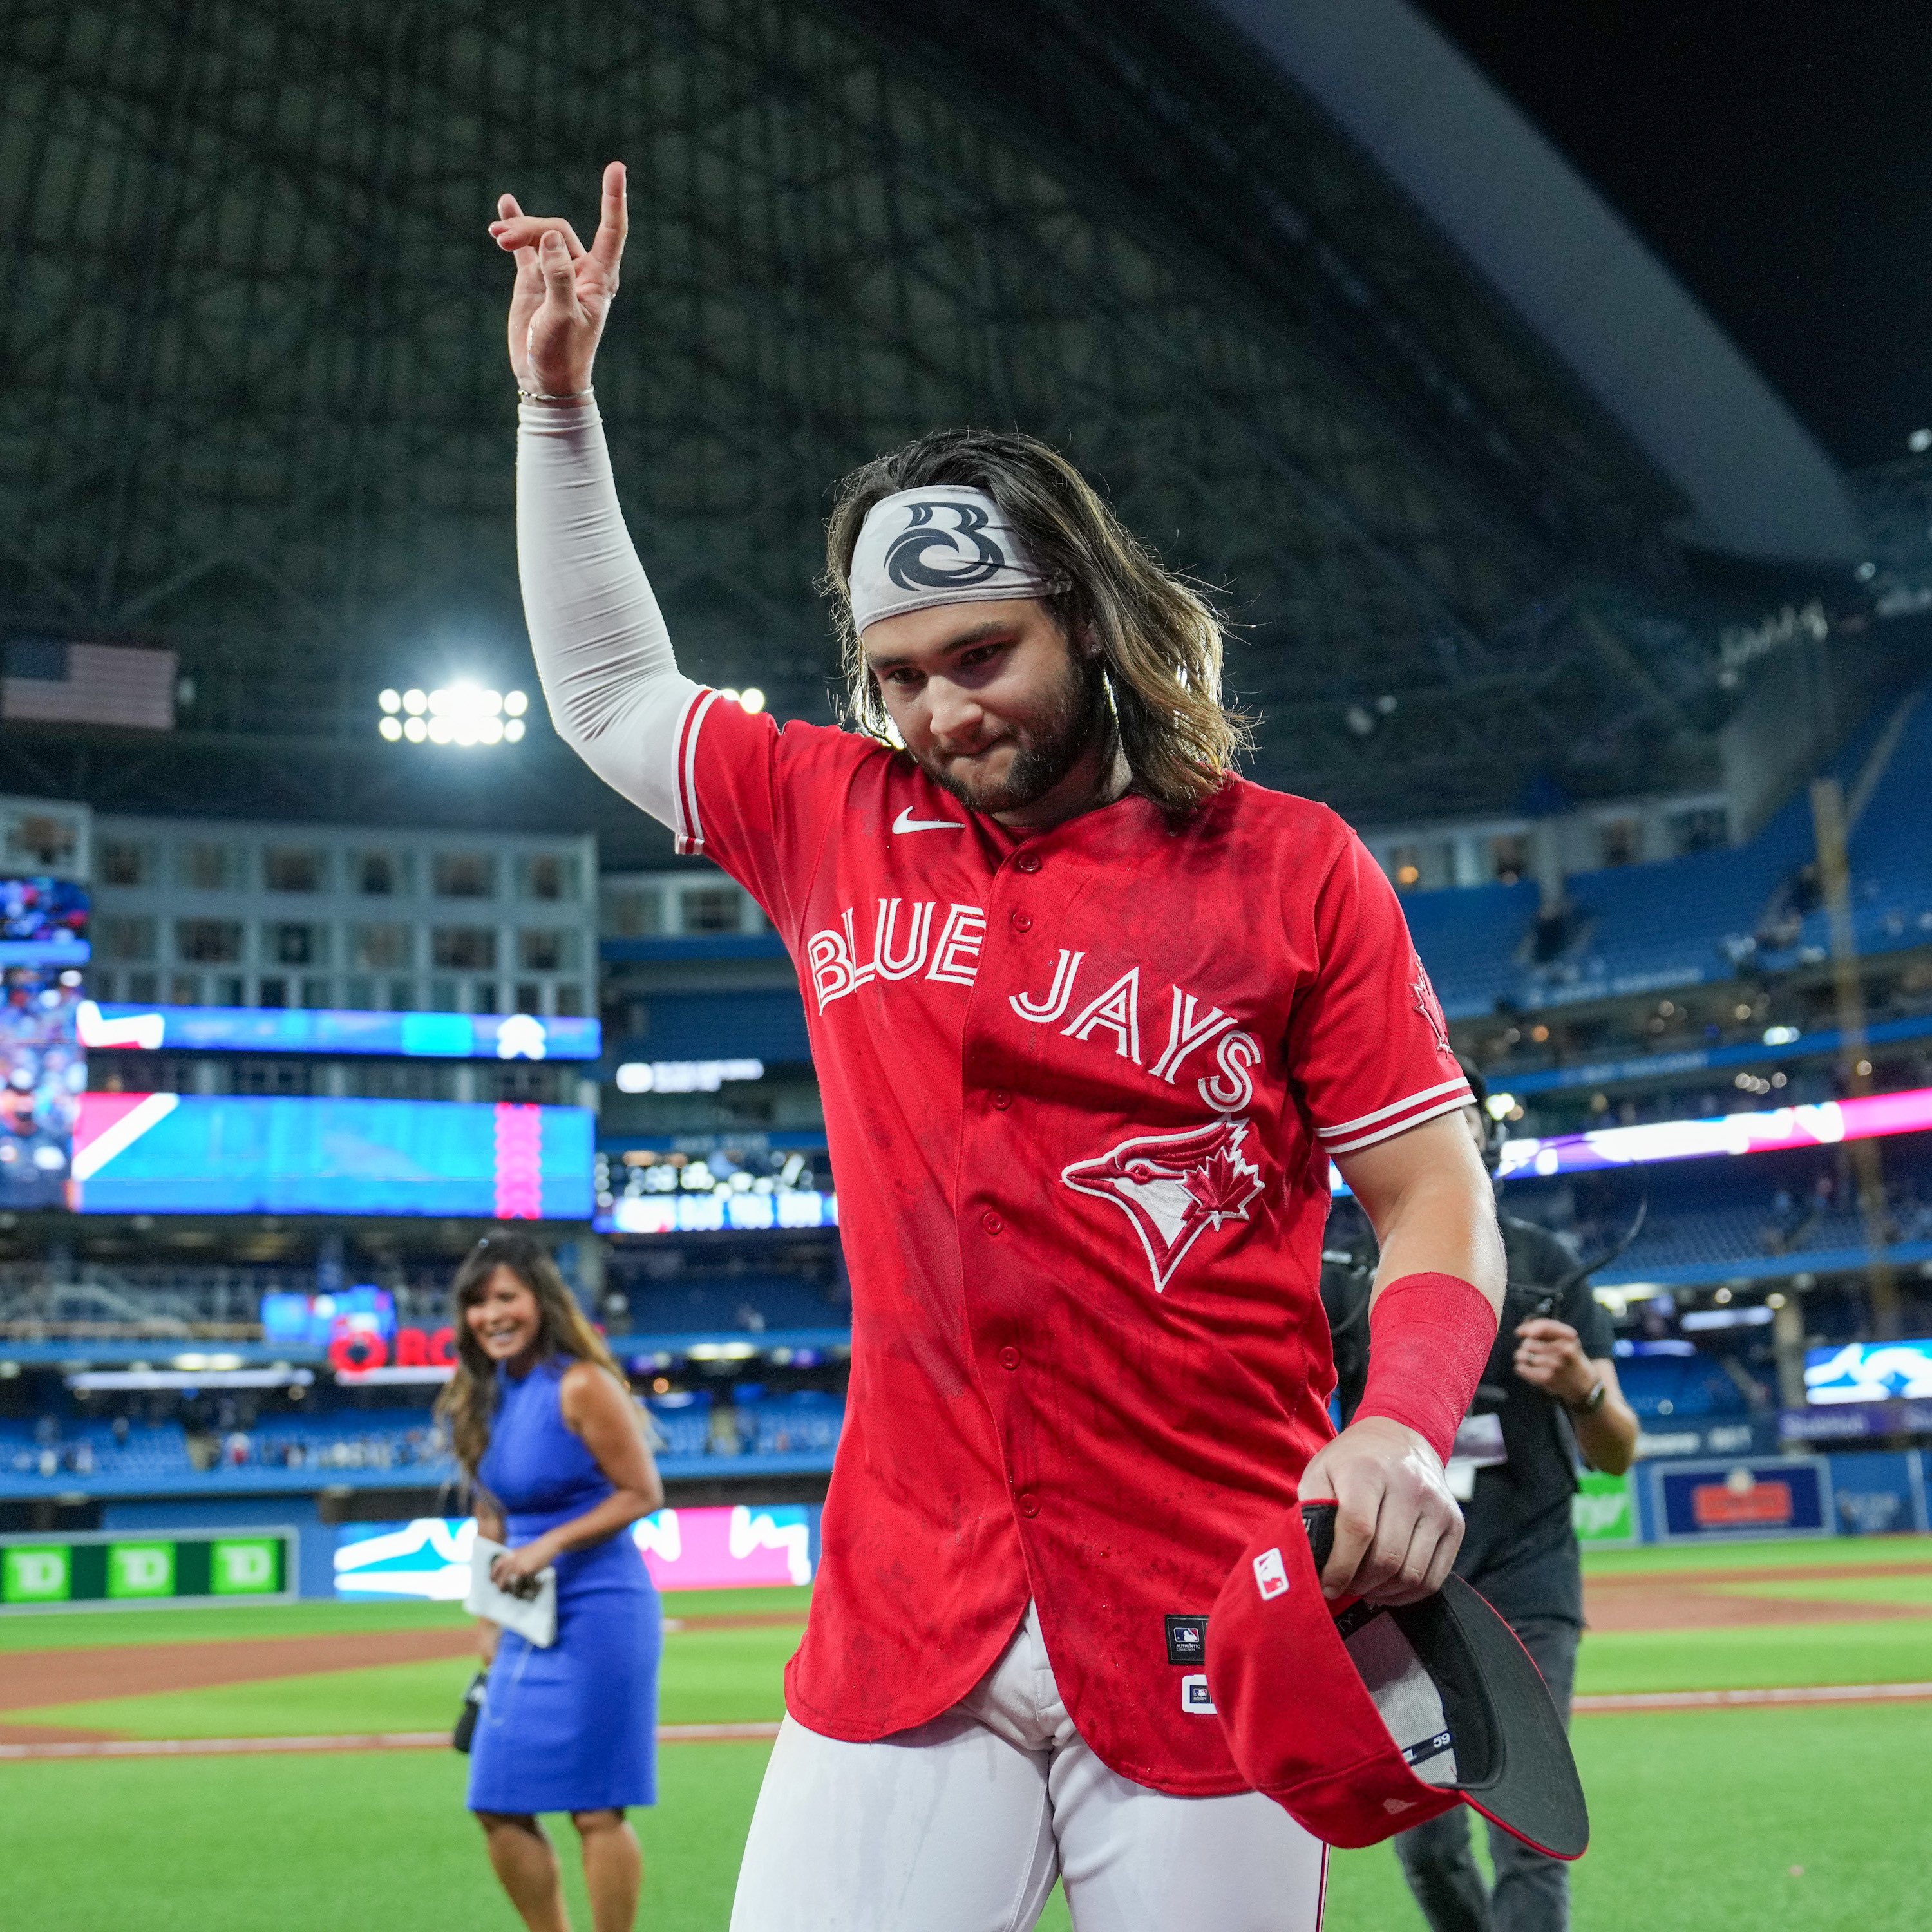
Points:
1160	641
468	1403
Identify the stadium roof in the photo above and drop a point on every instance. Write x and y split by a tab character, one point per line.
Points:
255	408
1759	484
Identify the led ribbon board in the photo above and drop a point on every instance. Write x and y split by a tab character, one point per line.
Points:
95	1571
188	1154
334	1030
1869	1372
1768	1131
710	1548
1771	1131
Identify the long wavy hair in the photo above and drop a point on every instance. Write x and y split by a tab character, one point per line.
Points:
1160	641
468	1403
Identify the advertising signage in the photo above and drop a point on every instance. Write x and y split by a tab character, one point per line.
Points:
109	1027
1776	1496
711	1548
1869	1372
188	1153
107	1572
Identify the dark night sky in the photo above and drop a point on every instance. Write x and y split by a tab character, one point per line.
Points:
1776	156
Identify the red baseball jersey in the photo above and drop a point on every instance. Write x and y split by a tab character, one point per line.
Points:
1080	1088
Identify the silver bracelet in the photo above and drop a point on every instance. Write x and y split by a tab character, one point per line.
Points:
538	396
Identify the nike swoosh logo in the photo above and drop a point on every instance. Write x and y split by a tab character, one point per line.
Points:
905	822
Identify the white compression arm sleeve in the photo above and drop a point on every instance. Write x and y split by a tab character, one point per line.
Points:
615	691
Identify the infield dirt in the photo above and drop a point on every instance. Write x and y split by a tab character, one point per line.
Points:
31	1680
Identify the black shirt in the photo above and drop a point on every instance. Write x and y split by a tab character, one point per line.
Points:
1519	1547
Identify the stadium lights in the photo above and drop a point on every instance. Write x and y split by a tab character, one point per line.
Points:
463	713
750	698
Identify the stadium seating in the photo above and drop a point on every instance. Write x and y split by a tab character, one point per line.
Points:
45	1448
1679	1387
1469	937
343	1440
750	1304
1675	922
1890	857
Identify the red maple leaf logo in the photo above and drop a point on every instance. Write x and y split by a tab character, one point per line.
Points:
1223	1185
1430	1007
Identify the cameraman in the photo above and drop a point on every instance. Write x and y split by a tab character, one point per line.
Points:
1549	1391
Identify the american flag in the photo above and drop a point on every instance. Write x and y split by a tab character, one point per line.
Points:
50	683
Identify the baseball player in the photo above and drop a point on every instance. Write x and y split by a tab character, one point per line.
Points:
1091	1017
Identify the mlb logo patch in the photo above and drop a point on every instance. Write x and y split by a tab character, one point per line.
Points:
1194	1697
1270	1574
1187	1640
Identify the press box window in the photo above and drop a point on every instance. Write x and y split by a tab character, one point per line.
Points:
42	841
712	909
633	912
465	948
382	949
1702	829
206	867
380	875
293	869
546	951
463	875
119	937
125	862
547	875
1622	840
290	943
208	942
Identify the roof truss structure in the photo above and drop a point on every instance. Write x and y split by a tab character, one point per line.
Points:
256	407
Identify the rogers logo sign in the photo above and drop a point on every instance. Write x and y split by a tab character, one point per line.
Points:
355	1351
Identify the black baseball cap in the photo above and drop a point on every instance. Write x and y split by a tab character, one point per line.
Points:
1364	1721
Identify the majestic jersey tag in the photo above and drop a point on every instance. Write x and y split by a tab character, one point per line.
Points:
1187	1640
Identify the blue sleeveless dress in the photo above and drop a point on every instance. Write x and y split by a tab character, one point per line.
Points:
573	1728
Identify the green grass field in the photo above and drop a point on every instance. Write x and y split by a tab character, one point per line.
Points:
1699	1817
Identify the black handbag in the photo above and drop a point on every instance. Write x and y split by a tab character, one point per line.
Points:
472	1709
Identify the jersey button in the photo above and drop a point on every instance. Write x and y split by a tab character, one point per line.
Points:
1022	923
1029	1503
1009	1358
1001	1099
1027	861
992	1223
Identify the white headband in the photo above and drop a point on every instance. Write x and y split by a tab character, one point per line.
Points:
948	544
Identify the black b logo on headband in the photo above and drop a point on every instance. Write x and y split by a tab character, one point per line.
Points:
906	562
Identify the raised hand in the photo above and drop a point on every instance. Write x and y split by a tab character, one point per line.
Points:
563	290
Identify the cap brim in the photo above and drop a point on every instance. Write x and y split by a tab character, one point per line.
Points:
1492	1688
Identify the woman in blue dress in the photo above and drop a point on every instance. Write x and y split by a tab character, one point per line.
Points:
551	1442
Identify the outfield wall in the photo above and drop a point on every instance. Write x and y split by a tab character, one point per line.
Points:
1711	1499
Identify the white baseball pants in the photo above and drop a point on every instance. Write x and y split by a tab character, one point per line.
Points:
963	1824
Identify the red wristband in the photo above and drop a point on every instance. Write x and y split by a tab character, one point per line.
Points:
1429	1336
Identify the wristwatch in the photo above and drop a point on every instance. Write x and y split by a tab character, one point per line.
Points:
1592	1402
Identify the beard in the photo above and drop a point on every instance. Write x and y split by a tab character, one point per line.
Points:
1047	746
